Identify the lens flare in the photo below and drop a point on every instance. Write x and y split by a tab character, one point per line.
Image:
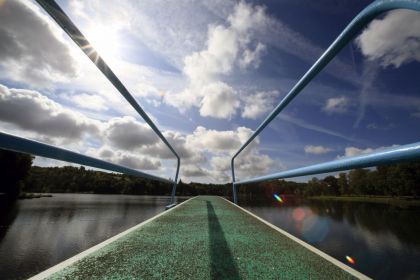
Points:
298	214
350	260
278	198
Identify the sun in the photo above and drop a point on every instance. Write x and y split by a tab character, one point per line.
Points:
105	41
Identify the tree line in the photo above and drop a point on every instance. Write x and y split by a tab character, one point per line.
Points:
18	174
402	179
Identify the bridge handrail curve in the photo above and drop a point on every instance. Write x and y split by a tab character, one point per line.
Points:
355	26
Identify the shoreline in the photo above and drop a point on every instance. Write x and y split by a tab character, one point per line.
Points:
402	201
33	195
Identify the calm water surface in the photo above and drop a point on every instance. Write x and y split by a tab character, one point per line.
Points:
37	233
383	240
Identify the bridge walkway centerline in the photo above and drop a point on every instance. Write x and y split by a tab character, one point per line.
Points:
206	237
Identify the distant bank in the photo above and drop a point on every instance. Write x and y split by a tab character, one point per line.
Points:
399	200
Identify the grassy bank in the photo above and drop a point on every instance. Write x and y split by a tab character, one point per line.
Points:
402	200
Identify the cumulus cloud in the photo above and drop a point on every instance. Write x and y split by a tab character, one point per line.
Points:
33	111
189	154
217	141
194	171
252	164
88	101
255	164
228	47
393	40
127	133
337	105
220	101
125	158
32	49
222	145
200	147
353	151
258	104
44	119
133	136
316	150
129	142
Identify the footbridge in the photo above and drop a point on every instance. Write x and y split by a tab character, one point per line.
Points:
209	237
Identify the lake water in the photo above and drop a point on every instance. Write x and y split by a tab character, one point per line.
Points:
383	240
35	234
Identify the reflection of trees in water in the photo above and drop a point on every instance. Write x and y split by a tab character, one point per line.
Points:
376	218
8	212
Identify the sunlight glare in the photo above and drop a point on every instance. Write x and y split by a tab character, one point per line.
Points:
105	41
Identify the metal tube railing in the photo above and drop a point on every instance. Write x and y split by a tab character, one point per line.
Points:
388	156
355	26
54	10
18	144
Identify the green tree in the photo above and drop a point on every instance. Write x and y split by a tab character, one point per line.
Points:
343	184
332	185
358	182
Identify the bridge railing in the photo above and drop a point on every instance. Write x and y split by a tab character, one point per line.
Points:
19	144
398	154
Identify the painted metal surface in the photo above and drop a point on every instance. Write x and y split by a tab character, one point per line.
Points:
356	25
387	156
54	10
18	144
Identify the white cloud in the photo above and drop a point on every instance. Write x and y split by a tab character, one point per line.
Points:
43	119
125	158
188	153
353	151
220	101
33	111
129	134
189	170
255	164
228	47
258	104
252	57
126	141
337	105
88	101
32	49
139	162
316	150
249	165
394	40
195	149
217	141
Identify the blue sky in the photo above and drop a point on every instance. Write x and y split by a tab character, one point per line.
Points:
208	72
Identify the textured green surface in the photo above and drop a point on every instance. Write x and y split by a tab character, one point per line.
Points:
205	238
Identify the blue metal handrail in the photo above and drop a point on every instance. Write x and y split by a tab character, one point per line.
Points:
355	26
19	144
54	10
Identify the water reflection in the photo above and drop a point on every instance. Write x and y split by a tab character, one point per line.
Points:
383	240
36	234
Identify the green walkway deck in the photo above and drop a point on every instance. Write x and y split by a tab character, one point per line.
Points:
203	238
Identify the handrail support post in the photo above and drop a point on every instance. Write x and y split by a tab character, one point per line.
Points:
172	203
234	192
